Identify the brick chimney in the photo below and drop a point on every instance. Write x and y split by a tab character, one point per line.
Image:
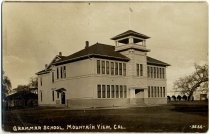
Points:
86	44
46	66
60	53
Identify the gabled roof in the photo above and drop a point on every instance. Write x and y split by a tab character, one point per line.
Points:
57	57
130	33
45	71
152	61
97	50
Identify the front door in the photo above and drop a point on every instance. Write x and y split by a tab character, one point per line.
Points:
63	98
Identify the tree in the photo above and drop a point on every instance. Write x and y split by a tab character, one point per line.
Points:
189	84
6	86
33	82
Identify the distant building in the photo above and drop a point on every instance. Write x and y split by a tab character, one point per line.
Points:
104	75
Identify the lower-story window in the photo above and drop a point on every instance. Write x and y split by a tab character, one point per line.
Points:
121	91
164	92
111	91
99	91
103	91
53	96
41	96
154	91
125	91
108	91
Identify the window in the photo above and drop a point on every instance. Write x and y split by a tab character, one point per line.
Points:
112	68
57	94
61	72
164	92
116	68
107	67
161	92
152	91
108	91
160	70
163	73
120	68
124	69
41	96
99	91
117	91
137	69
103	91
64	71
125	91
154	72
98	66
103	67
157	72
148	72
155	92
151	69
53	96
158	92
41	81
57	73
113	92
121	91
149	91
53	77
141	70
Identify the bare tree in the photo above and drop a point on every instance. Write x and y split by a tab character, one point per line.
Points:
189	84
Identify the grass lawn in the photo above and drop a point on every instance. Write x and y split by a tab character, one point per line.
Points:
173	117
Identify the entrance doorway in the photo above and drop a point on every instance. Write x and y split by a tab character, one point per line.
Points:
63	98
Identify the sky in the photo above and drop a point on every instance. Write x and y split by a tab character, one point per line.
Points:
33	33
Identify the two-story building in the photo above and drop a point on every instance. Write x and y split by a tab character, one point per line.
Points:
103	75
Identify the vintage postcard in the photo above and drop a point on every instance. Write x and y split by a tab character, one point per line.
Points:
104	66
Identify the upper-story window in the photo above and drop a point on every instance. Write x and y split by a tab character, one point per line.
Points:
112	68
160	71
41	81
120	68
155	72
107	67
124	69
53	77
98	67
57	73
116	68
148	71
62	72
103	67
139	69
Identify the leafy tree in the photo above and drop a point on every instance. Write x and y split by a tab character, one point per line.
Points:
179	98
6	86
189	84
33	82
21	88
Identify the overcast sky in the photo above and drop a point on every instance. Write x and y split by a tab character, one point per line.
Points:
33	33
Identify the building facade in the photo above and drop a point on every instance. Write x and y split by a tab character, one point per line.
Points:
104	75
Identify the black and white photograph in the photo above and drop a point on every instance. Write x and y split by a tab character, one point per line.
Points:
79	66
